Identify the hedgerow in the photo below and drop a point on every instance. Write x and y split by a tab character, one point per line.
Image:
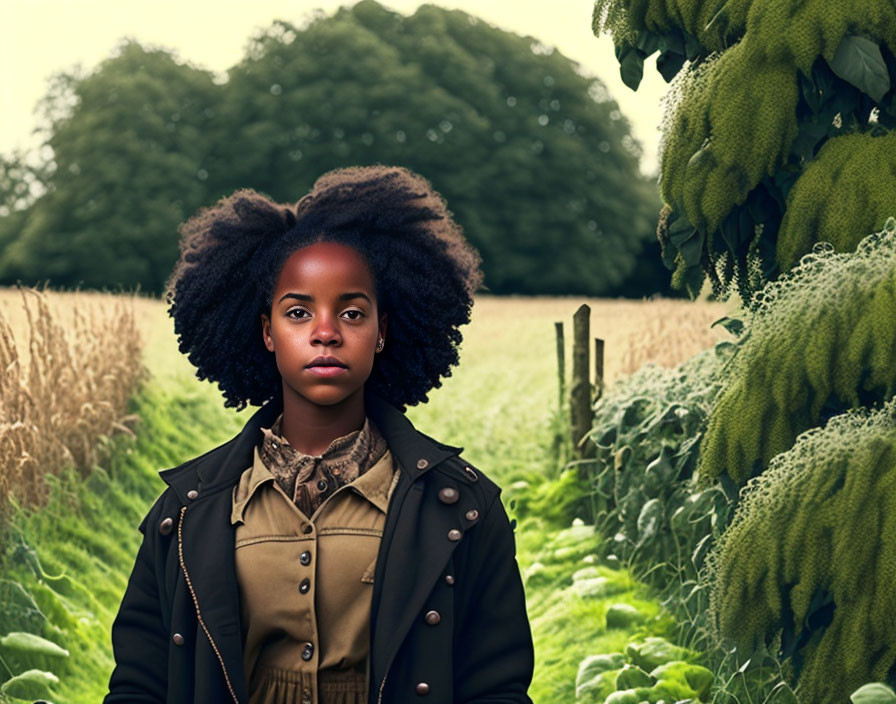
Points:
820	341
808	565
647	431
759	87
861	170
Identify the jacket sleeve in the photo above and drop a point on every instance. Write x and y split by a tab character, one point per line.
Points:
139	637
494	655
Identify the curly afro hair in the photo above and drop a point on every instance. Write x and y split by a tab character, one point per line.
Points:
231	255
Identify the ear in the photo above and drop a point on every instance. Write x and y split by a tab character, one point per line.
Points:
382	326
266	332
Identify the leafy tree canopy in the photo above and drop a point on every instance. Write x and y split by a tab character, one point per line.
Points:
533	158
126	170
758	88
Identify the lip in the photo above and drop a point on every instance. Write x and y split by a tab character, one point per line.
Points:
326	366
325	362
326	371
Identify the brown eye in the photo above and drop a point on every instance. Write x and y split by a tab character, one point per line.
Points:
355	314
289	313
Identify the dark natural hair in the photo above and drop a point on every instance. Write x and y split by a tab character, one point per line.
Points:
232	253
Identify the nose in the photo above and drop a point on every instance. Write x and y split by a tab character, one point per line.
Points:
325	332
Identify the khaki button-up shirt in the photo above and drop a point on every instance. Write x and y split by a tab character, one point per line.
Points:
306	584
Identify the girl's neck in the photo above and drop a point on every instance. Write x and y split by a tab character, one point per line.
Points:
310	428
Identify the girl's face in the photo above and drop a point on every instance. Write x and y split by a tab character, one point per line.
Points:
324	323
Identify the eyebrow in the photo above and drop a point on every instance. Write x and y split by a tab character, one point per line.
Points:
342	296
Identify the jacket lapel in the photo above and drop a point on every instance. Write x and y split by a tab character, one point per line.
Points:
415	547
413	552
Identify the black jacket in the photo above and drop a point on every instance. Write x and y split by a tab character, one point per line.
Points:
177	635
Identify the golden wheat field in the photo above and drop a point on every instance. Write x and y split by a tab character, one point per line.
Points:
92	347
70	363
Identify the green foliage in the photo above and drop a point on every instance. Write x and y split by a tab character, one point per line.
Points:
821	340
65	566
647	430
29	685
30	644
652	670
873	693
726	135
568	593
127	168
808	564
858	168
767	83
21	647
491	118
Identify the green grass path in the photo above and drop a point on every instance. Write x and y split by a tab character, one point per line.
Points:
67	564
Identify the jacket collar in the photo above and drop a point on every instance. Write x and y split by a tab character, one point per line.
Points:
415	452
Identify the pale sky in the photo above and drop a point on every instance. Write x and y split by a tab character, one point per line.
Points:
40	37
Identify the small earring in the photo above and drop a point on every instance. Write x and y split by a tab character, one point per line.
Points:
380	344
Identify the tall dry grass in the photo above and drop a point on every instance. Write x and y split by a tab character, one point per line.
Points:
68	371
664	332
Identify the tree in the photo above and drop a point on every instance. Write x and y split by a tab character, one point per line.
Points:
533	158
128	145
535	162
774	99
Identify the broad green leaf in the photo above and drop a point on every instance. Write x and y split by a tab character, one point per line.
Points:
669	63
873	693
632	676
692	249
594	665
32	645
733	325
31	684
631	66
859	61
649	520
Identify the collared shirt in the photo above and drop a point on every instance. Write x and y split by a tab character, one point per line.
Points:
310	479
306	580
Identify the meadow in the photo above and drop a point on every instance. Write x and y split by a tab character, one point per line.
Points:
66	565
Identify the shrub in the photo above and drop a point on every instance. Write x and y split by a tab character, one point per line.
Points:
820	341
647	431
808	565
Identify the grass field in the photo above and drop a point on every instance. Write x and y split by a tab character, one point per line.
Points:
73	558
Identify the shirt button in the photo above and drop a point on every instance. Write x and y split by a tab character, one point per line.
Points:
192	494
422	688
305	558
454	534
321	485
449	579
307	652
448	495
472	514
178	639
432	617
304	586
422	463
166	526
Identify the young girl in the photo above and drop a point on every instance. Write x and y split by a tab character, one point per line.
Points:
330	553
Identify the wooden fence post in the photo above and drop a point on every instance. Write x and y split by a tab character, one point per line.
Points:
561	365
580	391
598	368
